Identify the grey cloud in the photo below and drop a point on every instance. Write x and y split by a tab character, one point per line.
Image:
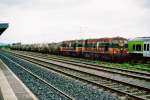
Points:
57	20
13	2
146	3
48	4
143	3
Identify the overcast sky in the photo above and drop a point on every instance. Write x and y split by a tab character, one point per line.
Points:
35	21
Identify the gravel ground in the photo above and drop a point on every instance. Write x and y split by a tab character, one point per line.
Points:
41	90
76	89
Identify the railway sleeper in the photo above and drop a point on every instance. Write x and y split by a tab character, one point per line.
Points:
147	96
135	90
95	79
106	83
123	88
117	86
132	91
112	84
102	82
138	93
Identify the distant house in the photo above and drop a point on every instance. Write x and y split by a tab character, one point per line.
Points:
3	27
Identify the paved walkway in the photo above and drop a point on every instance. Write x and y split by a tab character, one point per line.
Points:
11	88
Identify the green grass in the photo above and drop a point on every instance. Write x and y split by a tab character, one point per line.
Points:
128	66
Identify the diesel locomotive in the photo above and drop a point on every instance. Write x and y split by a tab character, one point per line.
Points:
109	49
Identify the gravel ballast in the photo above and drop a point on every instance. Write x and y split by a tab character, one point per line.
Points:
74	88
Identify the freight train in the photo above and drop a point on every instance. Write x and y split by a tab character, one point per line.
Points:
116	49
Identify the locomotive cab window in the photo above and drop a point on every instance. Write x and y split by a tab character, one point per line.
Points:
79	45
138	47
89	45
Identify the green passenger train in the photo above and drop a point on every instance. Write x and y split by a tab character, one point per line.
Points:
139	48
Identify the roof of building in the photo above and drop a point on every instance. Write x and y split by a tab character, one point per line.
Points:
141	39
3	27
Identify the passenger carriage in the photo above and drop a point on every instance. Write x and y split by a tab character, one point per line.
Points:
139	49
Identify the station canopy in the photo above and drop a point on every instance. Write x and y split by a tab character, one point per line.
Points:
3	27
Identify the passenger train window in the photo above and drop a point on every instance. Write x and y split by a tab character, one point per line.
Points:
144	47
147	47
138	47
133	47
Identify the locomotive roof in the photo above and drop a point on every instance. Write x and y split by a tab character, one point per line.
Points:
141	39
98	39
3	27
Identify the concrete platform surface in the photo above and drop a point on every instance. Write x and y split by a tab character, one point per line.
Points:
12	88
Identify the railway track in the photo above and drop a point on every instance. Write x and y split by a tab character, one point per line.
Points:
55	91
134	74
87	62
125	88
78	90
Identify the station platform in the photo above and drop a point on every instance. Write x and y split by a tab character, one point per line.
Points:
11	87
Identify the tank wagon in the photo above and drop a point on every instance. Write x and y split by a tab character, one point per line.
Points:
139	49
52	48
